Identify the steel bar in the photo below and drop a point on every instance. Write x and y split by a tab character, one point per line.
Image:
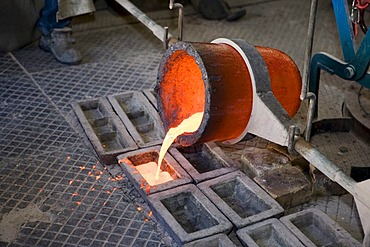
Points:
157	30
332	171
308	50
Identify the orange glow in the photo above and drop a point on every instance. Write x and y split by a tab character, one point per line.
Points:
70	182
188	125
92	188
78	203
148	171
139	209
182	78
220	86
82	168
108	192
75	194
150	214
68	157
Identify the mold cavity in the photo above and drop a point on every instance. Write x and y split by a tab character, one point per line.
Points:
146	165
103	126
267	236
189	212
243	201
315	229
141	119
202	159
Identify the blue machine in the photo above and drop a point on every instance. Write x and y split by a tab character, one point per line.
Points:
356	62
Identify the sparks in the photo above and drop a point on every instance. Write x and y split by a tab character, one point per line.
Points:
108	192
70	182
78	203
68	157
82	168
75	194
139	209
92	188
150	214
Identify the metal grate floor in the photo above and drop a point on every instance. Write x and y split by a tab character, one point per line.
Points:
49	173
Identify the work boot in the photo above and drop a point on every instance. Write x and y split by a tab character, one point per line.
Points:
59	42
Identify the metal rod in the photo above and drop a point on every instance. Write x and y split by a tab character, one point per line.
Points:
333	172
308	50
180	22
310	114
157	30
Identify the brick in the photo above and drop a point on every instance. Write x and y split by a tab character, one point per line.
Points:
314	228
257	161
187	214
287	185
240	199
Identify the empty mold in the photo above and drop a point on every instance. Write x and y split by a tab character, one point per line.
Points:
188	214
151	96
204	161
315	228
212	241
129	161
240	199
268	233
104	129
139	116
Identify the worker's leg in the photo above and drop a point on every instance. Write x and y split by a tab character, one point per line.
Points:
55	34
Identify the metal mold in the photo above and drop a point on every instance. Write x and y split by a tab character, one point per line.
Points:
240	199
205	161
139	116
151	96
212	241
268	233
314	228
129	160
188	214
105	131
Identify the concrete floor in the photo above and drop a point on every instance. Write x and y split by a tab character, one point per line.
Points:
54	191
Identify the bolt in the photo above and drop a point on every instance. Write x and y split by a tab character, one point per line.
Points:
349	72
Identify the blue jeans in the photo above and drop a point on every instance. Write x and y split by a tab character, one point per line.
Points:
48	18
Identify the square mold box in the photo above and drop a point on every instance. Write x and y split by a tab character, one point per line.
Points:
188	214
139	116
315	228
240	199
104	129
212	241
268	233
204	161
130	160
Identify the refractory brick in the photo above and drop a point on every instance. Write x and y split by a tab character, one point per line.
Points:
212	241
268	233
104	129
314	228
139	116
188	214
204	161
240	199
129	161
